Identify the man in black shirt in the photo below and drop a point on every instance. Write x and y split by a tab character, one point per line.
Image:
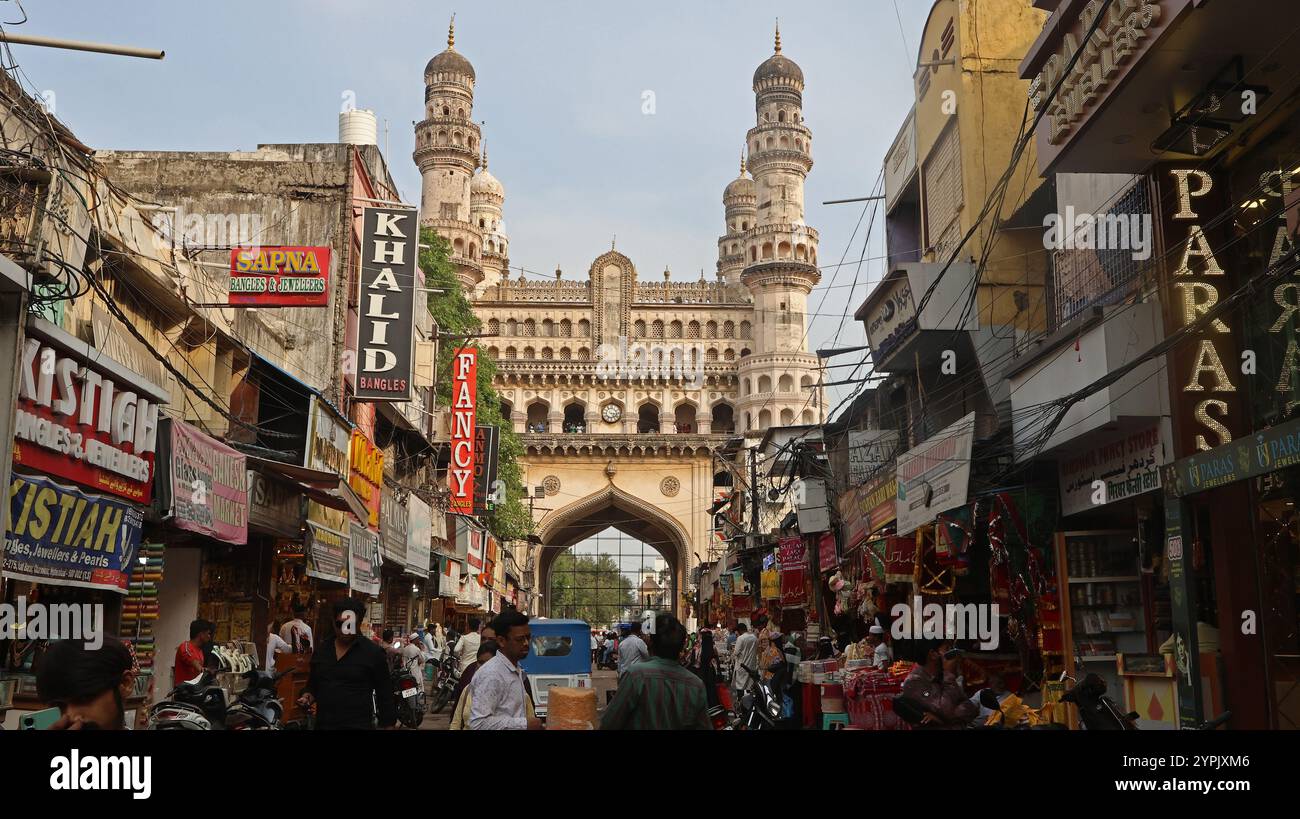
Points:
349	676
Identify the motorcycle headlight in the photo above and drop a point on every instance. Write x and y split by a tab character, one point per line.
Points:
774	708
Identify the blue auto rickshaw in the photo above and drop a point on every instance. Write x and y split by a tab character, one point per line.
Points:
559	655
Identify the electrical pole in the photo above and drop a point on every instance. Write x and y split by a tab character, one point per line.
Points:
753	498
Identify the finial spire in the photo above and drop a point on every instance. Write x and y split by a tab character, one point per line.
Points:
778	35
451	36
612	241
742	161
483	158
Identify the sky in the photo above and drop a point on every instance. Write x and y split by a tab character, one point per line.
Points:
561	91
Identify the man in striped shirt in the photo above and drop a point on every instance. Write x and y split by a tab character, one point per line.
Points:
658	694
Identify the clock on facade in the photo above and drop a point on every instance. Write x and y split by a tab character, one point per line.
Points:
611	413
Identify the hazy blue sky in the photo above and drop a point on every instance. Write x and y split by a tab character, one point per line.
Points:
559	87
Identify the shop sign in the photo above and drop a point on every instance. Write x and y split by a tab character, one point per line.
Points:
892	320
792	558
934	477
726	581
366	468
280	276
464	397
386	324
364	578
868	509
419	536
1126	30
273	505
770	584
63	536
827	559
327	553
450	581
813	514
83	422
329	437
742	606
893	558
486	445
392	527
869	451
1263	452
474	557
207	488
1126	466
1206	398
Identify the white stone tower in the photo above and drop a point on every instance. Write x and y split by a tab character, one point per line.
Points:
739	201
779	377
446	151
486	195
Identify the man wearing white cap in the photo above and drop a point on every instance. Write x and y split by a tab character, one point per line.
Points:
881	656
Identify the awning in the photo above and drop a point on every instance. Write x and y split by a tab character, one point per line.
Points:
325	488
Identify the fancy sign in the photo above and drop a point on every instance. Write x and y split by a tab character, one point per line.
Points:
385	329
464	397
84	421
366	465
65	537
280	276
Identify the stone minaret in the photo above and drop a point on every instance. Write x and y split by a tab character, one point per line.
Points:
780	255
486	195
446	151
738	200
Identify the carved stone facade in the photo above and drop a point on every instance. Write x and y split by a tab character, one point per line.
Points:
623	386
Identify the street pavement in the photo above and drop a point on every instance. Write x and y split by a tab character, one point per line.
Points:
604	682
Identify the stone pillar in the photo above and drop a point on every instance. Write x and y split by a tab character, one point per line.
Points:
518	420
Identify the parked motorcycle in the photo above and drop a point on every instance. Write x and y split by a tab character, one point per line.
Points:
760	709
445	679
408	692
201	705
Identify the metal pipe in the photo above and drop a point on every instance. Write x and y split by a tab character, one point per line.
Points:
82	45
859	199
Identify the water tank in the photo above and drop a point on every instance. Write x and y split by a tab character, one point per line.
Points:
357	127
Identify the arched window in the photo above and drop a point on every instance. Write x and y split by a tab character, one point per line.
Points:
786	383
724	419
547	354
729	355
458	247
711	356
746	329
657	329
767	250
746	386
511	353
446	111
459	138
768	143
566	328
711	329
787	417
647	418
575	418
494	327
584	328
584	354
808	417
729	329
494	353
638	329
753	253
806	382
675	329
801	252
785	142
548	328
780	116
693	330
473	250
537	416
482	223
684	418
442	137
744	352
765	419
744	225
764	383
506	410
460	112
783	250
530	327
735	248
529	354
512	327
566	354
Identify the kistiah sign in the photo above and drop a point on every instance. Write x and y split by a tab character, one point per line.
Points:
464	396
386	303
280	276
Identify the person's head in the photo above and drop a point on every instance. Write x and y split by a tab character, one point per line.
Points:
201	632
741	628
489	633
387	635
760	622
706	640
876	636
513	635
934	652
300	612
625	631
487	650
474	623
87	684
348	614
636	628
669	637
274	627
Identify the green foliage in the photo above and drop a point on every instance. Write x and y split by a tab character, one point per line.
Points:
453	313
589	588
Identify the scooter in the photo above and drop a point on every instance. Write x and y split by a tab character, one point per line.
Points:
201	705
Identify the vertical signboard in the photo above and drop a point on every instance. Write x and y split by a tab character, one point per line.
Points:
464	397
364	578
392	527
386	305
366	466
486	444
207	488
418	535
792	557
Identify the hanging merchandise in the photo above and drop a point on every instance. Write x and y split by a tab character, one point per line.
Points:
140	608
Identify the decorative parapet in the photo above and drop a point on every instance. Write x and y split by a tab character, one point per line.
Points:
620	444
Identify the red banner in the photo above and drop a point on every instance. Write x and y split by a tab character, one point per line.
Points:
792	558
827	559
464	397
280	276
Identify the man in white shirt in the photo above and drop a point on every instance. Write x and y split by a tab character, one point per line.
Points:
498	699
275	644
466	649
297	633
881	656
744	655
631	650
413	656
